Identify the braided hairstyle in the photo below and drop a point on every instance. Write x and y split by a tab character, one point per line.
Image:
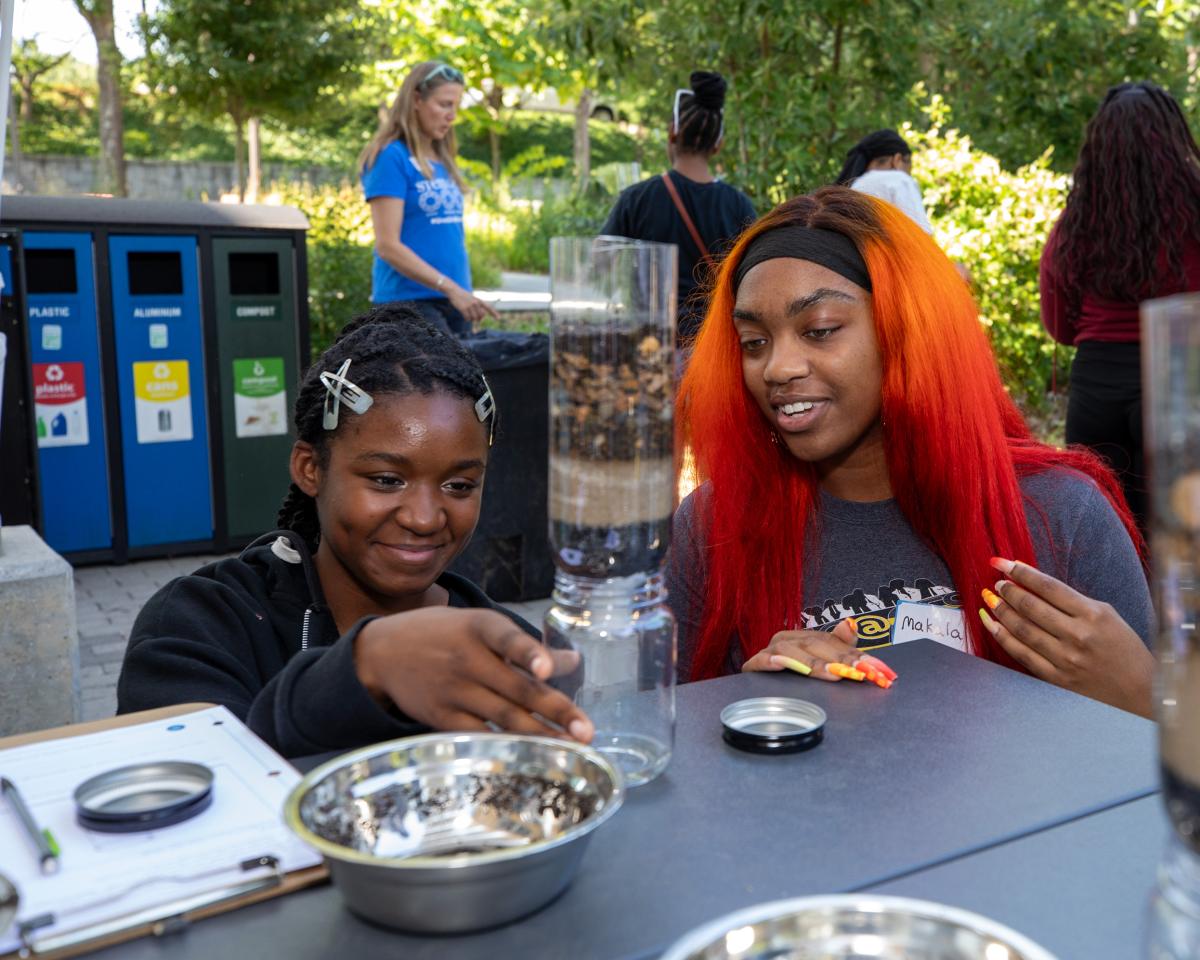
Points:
881	143
701	114
394	352
1134	203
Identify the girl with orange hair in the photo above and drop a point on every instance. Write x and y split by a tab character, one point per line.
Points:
859	455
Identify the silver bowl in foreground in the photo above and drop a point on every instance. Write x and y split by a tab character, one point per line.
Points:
850	926
451	832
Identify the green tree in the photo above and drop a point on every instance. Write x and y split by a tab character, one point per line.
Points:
256	58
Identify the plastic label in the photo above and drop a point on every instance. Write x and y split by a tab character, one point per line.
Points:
60	404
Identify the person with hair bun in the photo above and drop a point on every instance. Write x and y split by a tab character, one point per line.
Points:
344	627
1130	231
415	192
687	205
858	451
881	164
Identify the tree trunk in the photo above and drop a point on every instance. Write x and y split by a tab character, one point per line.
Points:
255	178
583	144
111	172
26	99
239	153
495	103
14	122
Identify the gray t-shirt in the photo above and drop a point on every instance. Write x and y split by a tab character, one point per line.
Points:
867	559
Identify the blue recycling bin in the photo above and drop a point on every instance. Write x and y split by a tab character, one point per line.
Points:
68	391
159	351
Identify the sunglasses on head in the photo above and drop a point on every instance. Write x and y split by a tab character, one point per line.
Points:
443	71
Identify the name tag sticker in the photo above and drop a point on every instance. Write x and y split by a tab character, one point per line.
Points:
921	621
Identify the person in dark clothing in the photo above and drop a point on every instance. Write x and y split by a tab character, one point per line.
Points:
1130	231
713	213
344	628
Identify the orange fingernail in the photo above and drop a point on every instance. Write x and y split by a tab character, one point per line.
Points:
999	563
875	676
880	666
853	624
990	599
845	672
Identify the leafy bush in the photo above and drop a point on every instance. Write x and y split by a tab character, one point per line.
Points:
995	222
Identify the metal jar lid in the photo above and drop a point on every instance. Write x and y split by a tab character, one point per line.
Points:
773	725
143	796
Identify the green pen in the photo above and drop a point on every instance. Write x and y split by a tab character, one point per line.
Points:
43	840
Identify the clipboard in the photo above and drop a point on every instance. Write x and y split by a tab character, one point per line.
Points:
174	915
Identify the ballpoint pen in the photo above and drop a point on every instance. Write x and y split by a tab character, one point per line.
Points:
43	840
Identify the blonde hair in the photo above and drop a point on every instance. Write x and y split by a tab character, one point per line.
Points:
400	123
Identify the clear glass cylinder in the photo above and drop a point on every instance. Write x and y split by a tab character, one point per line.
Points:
612	396
1171	391
623	637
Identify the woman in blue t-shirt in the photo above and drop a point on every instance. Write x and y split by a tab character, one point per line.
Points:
416	195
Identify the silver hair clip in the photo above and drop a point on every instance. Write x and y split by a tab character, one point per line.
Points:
339	390
485	407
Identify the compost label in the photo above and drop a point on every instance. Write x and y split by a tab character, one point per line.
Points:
259	397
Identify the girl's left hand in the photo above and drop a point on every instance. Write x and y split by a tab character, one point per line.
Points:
1067	639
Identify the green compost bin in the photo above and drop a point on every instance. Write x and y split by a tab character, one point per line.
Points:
258	355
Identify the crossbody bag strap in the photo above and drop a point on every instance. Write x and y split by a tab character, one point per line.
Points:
687	220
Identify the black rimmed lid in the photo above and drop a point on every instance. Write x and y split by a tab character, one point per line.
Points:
773	725
143	796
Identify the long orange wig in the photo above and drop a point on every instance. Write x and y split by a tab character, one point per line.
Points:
954	441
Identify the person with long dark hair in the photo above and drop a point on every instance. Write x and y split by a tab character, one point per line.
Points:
881	164
415	191
1130	232
687	205
854	440
344	626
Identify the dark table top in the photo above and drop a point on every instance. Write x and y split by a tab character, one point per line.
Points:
1080	890
959	756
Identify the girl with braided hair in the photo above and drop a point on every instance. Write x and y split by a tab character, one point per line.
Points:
881	164
851	429
1130	231
344	626
687	205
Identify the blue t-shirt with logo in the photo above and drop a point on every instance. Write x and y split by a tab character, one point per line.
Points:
432	228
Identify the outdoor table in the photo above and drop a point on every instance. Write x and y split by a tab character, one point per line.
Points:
1080	890
958	757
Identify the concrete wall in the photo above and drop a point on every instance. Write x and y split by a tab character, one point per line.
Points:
147	179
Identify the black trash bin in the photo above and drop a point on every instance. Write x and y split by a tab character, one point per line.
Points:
509	556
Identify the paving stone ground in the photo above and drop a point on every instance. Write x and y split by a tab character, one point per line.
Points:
107	599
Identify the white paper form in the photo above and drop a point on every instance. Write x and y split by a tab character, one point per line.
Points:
245	819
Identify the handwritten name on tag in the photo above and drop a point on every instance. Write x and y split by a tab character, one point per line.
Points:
919	621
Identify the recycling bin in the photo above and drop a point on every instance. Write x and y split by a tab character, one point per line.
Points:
160	376
258	371
68	391
509	554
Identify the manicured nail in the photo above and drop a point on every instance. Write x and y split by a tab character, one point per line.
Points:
1004	566
539	661
581	730
988	622
875	676
990	598
801	668
880	666
853	624
847	673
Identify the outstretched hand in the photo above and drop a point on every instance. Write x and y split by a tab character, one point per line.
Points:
1068	639
820	652
463	669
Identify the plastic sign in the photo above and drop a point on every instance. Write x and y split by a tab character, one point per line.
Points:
259	397
162	401
60	404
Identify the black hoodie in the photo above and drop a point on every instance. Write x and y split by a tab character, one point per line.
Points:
253	634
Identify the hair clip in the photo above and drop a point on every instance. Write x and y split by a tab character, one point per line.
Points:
340	390
485	407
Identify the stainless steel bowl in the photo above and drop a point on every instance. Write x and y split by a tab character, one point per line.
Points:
447	833
853	926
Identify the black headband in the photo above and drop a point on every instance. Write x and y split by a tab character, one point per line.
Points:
824	247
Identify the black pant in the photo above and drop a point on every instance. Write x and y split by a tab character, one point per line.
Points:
441	314
1104	412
